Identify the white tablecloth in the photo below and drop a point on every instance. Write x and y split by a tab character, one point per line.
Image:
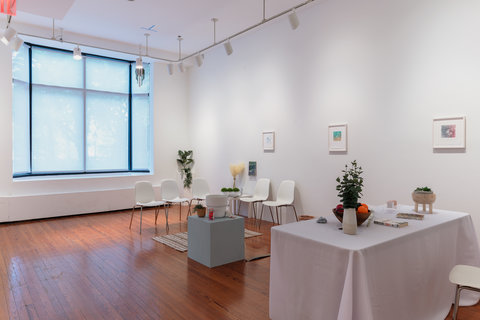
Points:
318	272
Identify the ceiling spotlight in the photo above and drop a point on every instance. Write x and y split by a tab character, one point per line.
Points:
293	19
199	59
17	43
228	47
77	53
170	68
8	35
139	63
181	68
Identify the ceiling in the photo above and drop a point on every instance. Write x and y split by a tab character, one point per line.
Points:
123	21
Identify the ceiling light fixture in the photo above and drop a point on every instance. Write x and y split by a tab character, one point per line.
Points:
170	68
139	69
17	43
8	35
228	47
199	59
293	19
77	53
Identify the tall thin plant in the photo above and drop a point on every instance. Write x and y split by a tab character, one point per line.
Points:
350	185
185	163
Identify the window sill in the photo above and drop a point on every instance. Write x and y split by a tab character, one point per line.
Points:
81	176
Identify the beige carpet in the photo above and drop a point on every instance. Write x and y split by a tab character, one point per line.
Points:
179	241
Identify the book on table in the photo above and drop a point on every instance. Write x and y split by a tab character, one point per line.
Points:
391	223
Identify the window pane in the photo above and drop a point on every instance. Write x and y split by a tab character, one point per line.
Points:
145	88
140	132
20	64
107	75
57	129
107	131
56	68
21	128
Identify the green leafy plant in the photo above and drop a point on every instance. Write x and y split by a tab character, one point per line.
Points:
424	189
235	189
350	185
198	207
185	163
224	190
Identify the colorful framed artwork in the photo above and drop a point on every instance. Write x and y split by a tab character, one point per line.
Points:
449	133
269	141
252	168
337	137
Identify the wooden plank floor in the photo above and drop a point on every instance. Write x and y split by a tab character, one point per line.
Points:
94	267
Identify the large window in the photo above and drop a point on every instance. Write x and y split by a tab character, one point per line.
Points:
78	116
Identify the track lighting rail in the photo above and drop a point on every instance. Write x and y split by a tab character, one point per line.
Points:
181	59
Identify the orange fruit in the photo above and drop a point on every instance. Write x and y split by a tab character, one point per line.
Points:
365	205
362	209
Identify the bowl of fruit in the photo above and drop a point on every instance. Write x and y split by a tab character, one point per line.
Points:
362	213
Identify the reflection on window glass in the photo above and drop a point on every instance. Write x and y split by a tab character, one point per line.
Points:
107	131
57	129
56	68
20	65
140	131
107	75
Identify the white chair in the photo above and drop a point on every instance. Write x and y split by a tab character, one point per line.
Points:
171	195
285	197
261	193
217	202
199	191
465	277
145	197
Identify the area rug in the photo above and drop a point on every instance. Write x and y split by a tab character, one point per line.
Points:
179	241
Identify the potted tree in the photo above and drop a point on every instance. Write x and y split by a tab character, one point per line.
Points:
350	190
185	163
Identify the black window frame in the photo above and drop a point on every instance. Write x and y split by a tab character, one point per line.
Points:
130	121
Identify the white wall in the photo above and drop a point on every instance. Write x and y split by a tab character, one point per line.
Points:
57	196
386	67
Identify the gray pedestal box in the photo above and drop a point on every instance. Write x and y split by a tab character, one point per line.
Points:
216	242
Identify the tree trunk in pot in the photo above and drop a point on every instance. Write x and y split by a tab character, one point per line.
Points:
349	221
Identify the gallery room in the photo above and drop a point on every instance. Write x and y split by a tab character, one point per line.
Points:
284	159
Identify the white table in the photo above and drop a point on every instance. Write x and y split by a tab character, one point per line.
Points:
318	272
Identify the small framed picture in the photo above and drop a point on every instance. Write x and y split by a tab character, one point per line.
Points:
337	137
449	133
252	168
269	141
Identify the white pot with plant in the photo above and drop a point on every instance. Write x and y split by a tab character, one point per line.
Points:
350	190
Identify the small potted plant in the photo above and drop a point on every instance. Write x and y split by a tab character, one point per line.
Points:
350	190
200	210
231	192
423	196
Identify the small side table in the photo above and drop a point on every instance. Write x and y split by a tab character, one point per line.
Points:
216	242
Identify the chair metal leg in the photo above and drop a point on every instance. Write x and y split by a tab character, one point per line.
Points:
156	214
180	204
239	206
254	211
271	214
296	217
457	299
166	215
276	210
141	212
190	207
131	219
261	216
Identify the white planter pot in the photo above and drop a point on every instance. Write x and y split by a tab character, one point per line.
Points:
349	221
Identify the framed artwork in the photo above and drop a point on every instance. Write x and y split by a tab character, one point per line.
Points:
449	133
337	137
252	168
269	141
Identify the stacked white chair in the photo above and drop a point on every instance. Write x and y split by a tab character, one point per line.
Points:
171	194
145	197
